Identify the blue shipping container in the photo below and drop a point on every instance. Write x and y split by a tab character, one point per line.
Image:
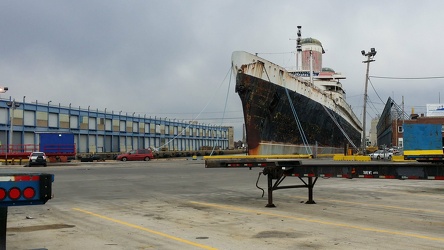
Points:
57	143
422	137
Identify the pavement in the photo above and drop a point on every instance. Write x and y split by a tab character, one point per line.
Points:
179	204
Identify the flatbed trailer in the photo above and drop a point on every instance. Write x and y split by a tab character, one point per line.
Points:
22	151
309	171
21	189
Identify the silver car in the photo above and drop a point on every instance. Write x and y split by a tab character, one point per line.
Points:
37	158
381	154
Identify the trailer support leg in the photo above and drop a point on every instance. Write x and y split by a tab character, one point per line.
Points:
270	191
3	221
279	175
310	190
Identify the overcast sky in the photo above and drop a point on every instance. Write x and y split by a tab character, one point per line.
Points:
172	58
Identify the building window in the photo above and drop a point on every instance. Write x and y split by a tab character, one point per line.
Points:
400	129
74	122
135	127
122	126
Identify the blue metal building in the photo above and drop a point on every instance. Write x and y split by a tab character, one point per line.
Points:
104	131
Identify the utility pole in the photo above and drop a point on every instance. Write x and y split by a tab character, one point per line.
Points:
370	59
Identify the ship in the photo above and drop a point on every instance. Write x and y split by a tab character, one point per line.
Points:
301	111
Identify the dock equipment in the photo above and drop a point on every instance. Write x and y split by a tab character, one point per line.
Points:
278	169
21	189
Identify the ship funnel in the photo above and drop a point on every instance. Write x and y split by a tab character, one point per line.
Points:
311	50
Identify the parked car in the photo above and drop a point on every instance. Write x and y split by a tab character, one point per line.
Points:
37	158
381	154
395	151
136	155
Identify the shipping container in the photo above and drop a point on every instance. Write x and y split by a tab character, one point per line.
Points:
57	143
423	142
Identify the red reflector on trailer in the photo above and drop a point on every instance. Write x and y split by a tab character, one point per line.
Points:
248	164
387	177
29	193
2	194
14	193
27	178
233	164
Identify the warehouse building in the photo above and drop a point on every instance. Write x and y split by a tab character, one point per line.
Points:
105	131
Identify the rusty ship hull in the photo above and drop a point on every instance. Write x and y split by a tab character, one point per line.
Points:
271	127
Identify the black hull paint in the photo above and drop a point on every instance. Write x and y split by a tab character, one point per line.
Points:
270	119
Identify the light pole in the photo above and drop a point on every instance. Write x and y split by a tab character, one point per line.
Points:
3	90
370	59
48	114
12	106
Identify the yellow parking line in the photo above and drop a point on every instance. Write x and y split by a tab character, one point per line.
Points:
410	194
376	205
250	211
146	229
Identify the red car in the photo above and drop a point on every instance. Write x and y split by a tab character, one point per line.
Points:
136	155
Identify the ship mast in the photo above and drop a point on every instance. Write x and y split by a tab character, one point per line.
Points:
298	49
311	66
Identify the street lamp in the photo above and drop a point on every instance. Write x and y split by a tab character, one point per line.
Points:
3	89
370	59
